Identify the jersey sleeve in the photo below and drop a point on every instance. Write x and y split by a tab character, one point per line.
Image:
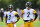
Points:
5	13
16	13
23	11
34	11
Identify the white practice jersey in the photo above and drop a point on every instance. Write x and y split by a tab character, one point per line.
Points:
28	14
11	16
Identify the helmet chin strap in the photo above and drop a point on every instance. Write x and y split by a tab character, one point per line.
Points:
28	8
10	11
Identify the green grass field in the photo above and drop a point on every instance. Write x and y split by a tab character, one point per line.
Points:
19	23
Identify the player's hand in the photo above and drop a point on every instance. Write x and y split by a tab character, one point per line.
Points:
6	23
23	19
32	20
13	22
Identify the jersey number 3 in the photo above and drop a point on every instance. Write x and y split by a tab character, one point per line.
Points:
28	14
9	17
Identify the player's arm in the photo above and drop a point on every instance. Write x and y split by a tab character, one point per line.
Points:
36	15
6	18
22	14
16	14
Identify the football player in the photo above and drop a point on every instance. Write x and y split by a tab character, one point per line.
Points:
11	16
27	15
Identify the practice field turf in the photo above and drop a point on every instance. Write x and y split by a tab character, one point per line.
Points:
20	23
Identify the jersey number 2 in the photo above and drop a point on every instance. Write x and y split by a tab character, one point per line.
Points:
28	14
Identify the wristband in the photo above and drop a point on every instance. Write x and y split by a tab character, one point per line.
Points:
16	21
